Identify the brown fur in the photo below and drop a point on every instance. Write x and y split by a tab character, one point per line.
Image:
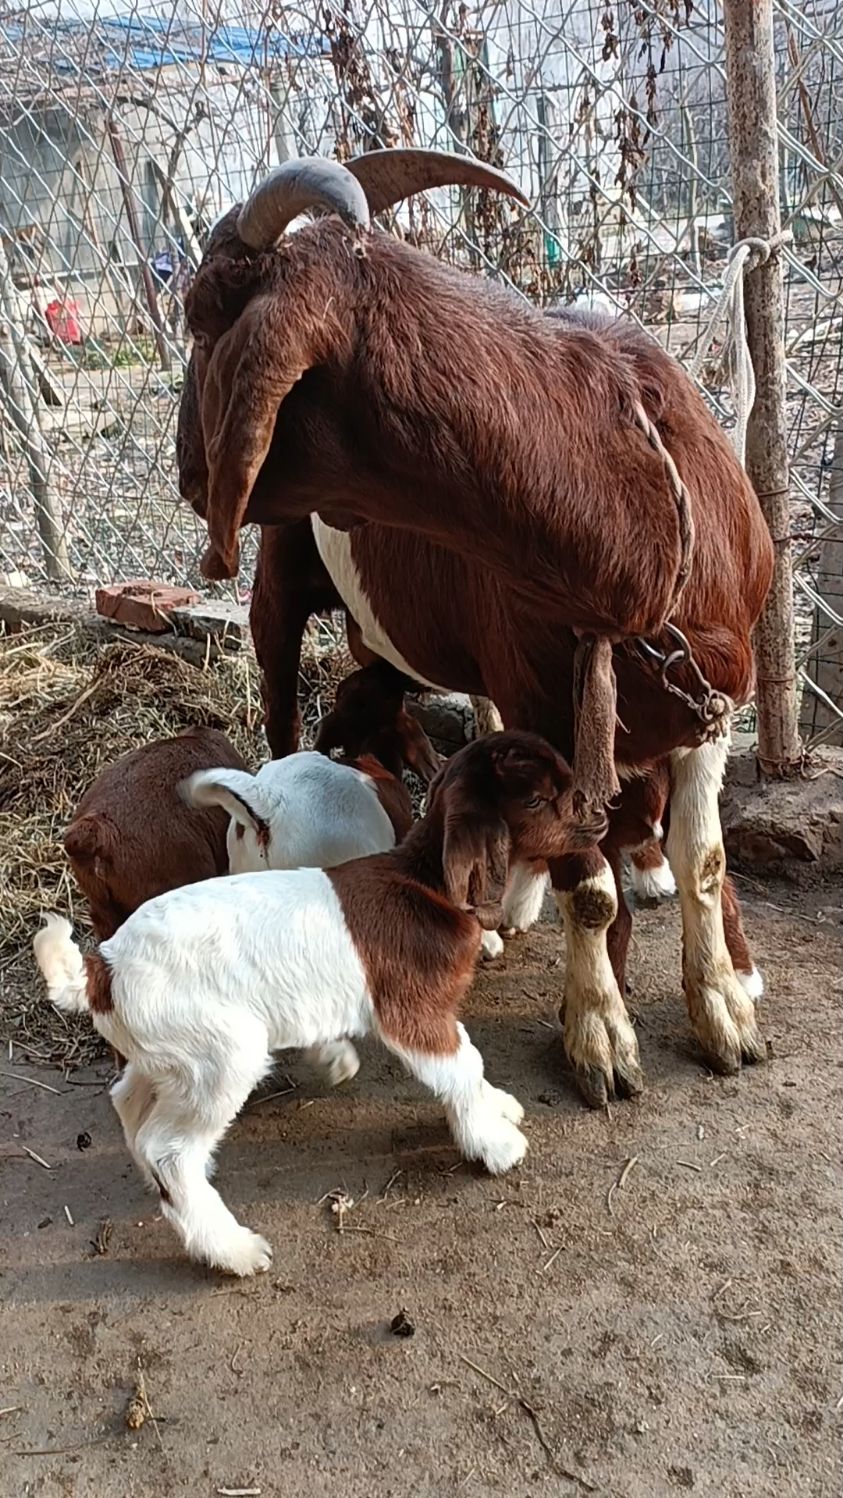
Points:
648	855
99	987
413	913
367	410
133	837
369	717
733	929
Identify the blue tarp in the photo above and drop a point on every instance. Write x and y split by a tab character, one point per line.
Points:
143	42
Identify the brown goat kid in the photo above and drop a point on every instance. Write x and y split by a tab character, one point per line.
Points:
488	487
133	837
369	718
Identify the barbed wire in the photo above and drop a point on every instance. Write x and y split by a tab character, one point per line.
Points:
124	131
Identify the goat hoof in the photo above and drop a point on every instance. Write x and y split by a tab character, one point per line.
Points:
723	1017
603	1054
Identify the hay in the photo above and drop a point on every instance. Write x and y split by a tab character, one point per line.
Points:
68	707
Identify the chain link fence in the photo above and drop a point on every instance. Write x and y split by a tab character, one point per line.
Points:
123	133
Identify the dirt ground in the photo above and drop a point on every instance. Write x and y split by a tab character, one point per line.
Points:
650	1305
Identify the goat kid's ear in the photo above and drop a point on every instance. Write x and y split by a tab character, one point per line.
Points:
235	791
475	864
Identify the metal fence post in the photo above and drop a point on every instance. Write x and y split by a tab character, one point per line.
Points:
751	98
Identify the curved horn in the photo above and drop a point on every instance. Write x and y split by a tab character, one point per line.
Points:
389	176
292	188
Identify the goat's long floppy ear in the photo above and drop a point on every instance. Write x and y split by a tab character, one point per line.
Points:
389	176
475	861
235	791
252	369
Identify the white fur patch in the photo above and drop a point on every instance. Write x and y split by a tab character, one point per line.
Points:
752	984
334	548
491	945
523	897
653	884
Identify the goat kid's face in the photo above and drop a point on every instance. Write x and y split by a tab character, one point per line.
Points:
505	797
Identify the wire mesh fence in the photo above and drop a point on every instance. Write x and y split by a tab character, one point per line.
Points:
124	132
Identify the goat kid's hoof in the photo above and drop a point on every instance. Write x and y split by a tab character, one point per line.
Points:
246	1253
604	1058
337	1059
344	1065
507	1105
725	1025
503	1148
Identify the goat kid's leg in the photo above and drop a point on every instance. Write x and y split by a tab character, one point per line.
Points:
599	1040
337	1058
651	875
523	897
483	1120
619	933
522	903
133	1095
175	1143
722	1013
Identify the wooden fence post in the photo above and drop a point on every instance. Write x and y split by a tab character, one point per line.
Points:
19	393
134	234
751	98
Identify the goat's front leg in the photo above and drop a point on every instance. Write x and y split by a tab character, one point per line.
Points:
599	1039
277	618
722	1012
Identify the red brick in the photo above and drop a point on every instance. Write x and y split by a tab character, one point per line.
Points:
143	605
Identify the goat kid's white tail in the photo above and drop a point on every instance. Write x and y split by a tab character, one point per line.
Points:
61	964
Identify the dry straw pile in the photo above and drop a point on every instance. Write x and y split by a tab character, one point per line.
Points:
68	707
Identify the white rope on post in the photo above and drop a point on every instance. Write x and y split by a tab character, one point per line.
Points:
730	304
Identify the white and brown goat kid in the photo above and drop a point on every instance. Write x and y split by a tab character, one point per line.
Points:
201	986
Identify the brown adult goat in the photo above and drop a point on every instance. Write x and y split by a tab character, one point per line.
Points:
523	472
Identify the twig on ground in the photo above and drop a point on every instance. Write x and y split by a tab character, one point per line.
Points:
31	1082
620	1182
39	1160
542	1237
528	1409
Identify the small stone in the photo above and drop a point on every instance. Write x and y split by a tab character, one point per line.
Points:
402	1326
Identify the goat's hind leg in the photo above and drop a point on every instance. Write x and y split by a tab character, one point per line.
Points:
132	1096
175	1143
720	1004
337	1058
599	1039
483	1120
